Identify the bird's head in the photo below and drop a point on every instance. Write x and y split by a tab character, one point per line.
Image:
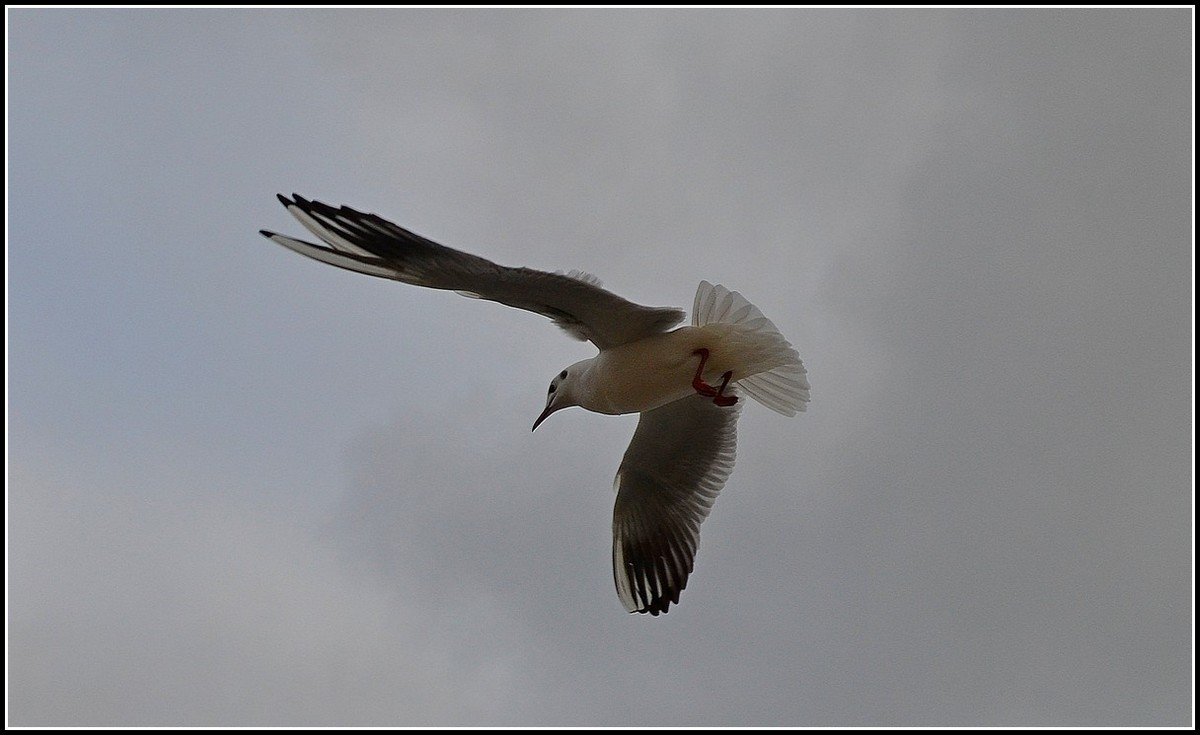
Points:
563	391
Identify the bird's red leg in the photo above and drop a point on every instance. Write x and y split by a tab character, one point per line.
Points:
721	399
698	383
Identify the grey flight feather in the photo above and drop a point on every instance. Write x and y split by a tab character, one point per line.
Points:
678	461
369	244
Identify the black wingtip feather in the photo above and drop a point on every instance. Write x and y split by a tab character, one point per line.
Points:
266	233
284	200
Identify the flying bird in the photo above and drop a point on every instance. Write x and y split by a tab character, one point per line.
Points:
685	383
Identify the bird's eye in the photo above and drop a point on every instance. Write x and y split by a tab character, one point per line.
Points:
563	374
552	387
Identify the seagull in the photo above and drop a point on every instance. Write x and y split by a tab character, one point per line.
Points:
685	383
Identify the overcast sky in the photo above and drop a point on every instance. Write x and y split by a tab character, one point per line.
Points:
248	488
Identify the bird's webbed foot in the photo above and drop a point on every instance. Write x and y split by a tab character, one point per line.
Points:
704	389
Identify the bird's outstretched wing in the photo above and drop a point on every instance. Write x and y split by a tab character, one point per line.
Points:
369	244
679	459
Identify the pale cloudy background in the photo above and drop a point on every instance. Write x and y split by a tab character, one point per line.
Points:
246	488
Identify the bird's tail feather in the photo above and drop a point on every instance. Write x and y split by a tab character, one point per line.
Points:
782	388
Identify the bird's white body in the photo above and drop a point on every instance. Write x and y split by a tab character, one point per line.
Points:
652	372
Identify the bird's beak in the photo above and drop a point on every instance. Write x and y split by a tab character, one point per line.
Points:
549	410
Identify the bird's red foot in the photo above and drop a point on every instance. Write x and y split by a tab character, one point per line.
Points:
704	389
721	399
698	383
